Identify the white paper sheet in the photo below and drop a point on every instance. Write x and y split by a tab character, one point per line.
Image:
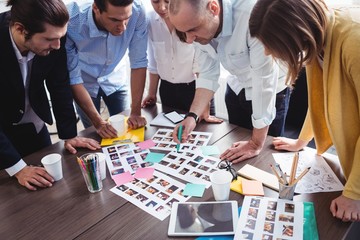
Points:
320	178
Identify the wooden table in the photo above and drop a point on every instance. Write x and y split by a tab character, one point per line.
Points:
68	211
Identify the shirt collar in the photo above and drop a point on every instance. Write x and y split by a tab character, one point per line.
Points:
20	57
93	29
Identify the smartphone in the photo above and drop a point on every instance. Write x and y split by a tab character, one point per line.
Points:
174	117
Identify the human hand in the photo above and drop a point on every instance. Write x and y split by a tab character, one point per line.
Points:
31	176
105	130
213	119
89	143
136	121
148	101
188	125
288	144
345	209
240	151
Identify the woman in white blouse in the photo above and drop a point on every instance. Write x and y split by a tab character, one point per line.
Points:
172	61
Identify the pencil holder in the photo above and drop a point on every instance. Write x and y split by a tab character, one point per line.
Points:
90	169
286	191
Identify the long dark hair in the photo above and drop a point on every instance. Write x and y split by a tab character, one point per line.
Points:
291	30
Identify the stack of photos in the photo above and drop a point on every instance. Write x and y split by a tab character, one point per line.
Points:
190	166
164	141
270	218
155	195
125	157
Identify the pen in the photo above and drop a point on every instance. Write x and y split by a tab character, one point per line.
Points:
179	137
301	175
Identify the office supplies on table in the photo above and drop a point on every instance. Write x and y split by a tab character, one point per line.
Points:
180	131
203	218
251	172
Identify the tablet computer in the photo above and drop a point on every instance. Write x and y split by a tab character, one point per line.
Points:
203	218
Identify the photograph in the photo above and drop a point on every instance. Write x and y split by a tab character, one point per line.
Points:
174	166
210	161
128	153
172	189
169	203
131	192
142	185
162	196
131	160
150	180
272	205
184	171
117	171
193	164
289	207
114	156
255	202
111	149
152	190
198	159
122	147
143	155
135	166
165	163
247	235
270	215
141	198
269	227
206	178
122	187
146	164
170	156
116	163
267	237
253	212
151	204
288	230
196	174
286	218
250	224
163	182
204	168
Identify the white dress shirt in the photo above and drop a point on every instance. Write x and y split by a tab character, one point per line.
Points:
244	58
170	58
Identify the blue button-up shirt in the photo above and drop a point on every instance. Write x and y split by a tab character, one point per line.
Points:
94	55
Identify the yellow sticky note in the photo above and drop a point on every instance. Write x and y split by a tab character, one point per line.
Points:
252	188
236	185
132	135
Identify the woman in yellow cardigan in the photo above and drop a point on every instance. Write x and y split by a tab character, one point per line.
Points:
307	32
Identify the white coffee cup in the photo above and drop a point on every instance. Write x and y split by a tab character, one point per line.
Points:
220	182
102	164
52	164
118	122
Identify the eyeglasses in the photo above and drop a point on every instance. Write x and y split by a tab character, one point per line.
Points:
225	164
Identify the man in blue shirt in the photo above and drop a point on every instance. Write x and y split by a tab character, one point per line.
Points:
98	37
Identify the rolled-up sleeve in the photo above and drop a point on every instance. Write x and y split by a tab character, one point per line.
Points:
264	75
73	61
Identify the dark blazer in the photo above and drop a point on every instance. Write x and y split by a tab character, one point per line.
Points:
51	70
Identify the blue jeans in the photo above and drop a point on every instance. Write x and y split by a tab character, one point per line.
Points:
240	110
115	102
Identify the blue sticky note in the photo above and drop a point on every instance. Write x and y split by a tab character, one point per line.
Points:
210	150
194	190
154	157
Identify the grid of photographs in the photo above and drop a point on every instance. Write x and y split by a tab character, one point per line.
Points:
164	141
125	157
270	219
190	166
155	195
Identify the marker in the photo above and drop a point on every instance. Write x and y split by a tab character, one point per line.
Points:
179	137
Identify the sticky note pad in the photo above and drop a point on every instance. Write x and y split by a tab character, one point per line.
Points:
146	144
144	173
154	157
122	178
195	190
210	150
236	185
252	188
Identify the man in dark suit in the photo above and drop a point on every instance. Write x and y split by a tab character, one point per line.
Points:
32	53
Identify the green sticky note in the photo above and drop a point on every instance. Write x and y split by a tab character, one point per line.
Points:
210	150
194	190
154	157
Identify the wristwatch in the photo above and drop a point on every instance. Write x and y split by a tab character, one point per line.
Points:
193	115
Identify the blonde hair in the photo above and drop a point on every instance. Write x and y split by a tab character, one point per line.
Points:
291	30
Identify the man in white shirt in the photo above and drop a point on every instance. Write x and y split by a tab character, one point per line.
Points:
221	29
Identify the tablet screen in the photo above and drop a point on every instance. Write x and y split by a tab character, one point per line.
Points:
203	218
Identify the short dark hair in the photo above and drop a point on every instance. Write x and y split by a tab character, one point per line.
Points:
33	14
102	4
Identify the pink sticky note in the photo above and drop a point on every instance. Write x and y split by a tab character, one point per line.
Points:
144	173
252	187
122	178
146	144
